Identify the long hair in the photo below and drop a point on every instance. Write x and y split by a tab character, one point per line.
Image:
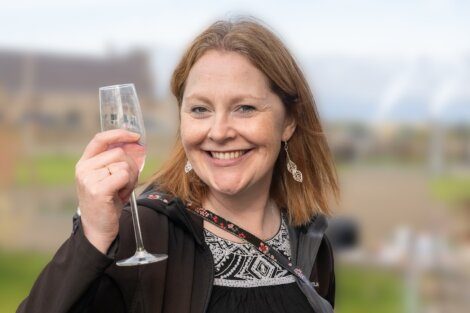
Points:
307	146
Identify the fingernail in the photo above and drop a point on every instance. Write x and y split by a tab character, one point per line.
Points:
136	135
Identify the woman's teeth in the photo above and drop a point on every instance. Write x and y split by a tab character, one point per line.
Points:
227	155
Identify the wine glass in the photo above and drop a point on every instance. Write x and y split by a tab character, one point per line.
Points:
119	108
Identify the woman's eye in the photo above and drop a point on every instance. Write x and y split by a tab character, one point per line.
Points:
198	110
246	108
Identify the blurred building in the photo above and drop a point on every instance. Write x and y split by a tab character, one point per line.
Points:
439	146
50	95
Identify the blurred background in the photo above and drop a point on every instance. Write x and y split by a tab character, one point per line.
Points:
391	80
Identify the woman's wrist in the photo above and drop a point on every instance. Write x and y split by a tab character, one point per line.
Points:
101	242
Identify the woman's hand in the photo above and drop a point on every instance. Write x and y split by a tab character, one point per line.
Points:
105	180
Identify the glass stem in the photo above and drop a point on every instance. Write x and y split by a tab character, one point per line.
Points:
135	221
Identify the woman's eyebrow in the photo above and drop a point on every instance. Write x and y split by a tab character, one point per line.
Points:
241	98
198	97
237	98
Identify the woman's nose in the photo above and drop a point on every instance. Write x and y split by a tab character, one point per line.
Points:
221	128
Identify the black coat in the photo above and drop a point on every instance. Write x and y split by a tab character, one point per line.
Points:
79	278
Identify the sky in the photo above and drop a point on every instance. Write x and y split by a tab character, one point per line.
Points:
432	27
405	50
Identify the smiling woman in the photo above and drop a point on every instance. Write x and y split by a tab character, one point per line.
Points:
239	207
237	85
232	146
241	95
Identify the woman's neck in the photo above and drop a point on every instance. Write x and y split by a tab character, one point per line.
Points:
253	211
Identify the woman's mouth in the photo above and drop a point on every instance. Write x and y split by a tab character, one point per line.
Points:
227	158
227	155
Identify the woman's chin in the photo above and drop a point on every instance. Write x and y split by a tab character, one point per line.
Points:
227	191
227	188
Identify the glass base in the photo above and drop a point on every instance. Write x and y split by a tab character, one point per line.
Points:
142	257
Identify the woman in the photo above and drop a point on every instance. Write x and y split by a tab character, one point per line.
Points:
251	150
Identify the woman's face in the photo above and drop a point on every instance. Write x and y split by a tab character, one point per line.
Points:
232	124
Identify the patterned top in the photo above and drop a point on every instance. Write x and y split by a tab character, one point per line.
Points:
242	265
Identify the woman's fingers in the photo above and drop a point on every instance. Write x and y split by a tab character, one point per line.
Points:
118	180
104	172
128	172
117	177
105	177
103	140
104	159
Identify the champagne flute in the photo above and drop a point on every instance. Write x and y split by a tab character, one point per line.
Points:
119	108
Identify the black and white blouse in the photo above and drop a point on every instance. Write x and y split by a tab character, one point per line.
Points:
246	280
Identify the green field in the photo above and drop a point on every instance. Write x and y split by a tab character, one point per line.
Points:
56	170
368	290
451	189
359	290
18	271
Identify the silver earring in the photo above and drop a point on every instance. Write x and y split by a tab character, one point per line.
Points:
292	167
188	167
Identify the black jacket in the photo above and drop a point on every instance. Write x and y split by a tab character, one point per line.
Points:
79	278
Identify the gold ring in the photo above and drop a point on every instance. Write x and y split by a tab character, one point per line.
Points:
109	171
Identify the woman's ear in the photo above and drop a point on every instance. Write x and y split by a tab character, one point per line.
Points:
289	128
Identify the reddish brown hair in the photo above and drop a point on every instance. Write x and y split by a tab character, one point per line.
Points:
307	147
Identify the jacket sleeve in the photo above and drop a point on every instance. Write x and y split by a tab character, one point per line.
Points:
70	280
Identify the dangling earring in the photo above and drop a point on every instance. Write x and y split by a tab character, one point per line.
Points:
188	167
292	167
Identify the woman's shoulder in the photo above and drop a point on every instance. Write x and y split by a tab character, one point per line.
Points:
155	201
153	208
157	206
156	198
